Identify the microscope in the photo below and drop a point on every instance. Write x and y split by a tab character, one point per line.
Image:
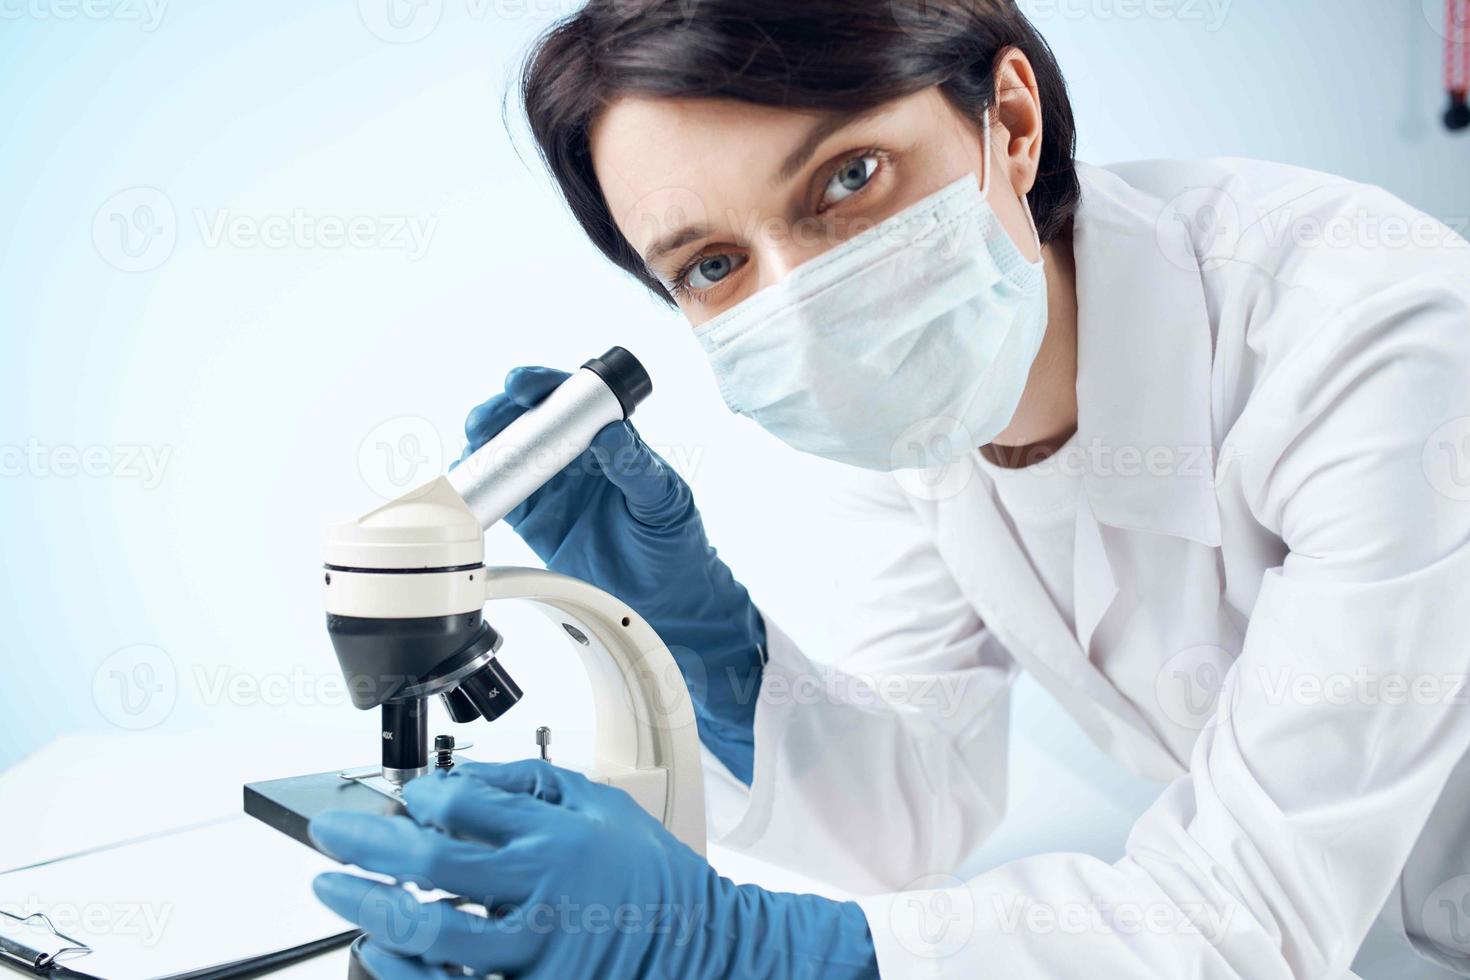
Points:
405	586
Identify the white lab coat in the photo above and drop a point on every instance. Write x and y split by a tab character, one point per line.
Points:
1274	538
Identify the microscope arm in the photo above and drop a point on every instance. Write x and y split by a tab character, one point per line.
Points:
647	741
646	738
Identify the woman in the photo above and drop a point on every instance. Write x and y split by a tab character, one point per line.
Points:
1196	476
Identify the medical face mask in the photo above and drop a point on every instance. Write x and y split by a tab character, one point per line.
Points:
905	346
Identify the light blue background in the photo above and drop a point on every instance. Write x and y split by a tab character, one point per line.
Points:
287	387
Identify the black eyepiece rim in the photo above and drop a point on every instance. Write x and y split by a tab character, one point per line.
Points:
625	375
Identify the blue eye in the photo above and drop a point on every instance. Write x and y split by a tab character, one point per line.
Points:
850	178
709	271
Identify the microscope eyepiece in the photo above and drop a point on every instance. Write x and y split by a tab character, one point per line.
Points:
507	469
625	375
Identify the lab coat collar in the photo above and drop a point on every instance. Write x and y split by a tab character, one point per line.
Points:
1145	350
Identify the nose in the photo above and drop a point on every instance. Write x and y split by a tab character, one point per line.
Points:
782	253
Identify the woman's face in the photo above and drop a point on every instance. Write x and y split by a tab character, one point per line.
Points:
724	198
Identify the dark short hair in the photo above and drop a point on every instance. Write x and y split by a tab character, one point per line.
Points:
843	55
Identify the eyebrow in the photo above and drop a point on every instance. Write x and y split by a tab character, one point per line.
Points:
815	137
674	241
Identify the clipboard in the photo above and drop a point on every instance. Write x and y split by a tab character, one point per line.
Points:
236	895
34	945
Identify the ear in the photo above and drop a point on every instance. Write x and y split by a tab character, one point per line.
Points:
1016	128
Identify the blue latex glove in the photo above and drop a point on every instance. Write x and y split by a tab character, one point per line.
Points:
579	881
620	518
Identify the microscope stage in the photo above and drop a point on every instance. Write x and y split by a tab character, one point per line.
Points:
289	804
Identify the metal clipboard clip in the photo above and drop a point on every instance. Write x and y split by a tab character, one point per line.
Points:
34	943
